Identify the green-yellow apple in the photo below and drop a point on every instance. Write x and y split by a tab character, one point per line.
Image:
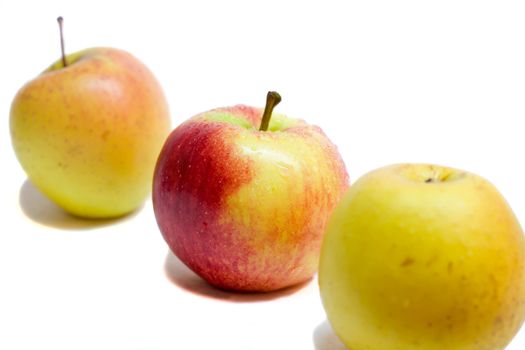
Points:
88	134
423	257
246	208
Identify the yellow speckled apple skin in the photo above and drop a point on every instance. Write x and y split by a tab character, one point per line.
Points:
408	264
88	135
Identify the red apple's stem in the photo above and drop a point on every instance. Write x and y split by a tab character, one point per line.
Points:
272	100
60	21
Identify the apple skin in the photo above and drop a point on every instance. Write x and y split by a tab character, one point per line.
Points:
246	209
88	135
407	264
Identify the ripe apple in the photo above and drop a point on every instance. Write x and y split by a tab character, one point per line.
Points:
88	131
423	257
245	208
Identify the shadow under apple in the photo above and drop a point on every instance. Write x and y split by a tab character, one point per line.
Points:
185	278
326	339
37	207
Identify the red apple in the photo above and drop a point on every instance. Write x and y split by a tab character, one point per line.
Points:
245	208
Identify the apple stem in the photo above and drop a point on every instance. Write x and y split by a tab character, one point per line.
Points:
272	100
60	21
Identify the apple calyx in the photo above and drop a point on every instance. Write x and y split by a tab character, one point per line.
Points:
60	21
272	99
439	175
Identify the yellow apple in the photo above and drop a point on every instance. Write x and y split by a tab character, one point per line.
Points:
423	257
88	134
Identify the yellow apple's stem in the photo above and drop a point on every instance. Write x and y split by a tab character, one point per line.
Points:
60	21
272	100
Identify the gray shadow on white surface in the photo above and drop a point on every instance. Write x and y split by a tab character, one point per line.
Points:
325	338
37	207
185	278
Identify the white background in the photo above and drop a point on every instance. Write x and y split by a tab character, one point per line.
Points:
388	81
